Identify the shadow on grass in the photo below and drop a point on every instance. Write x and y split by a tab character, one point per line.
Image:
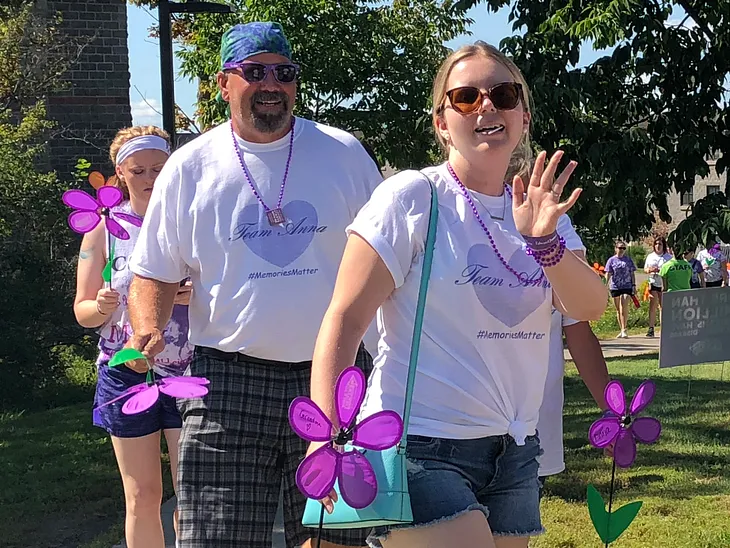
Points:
60	483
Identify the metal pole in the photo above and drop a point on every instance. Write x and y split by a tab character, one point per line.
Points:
689	381
167	75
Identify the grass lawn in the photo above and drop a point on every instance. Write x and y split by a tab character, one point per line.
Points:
60	483
684	479
61	488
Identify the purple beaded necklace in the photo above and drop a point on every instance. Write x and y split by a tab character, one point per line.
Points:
465	192
275	216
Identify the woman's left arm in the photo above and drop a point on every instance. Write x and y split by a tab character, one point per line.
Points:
573	281
579	291
633	274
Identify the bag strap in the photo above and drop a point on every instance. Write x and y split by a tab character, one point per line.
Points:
420	308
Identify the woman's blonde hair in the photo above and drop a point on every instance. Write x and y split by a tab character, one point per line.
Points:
122	136
521	161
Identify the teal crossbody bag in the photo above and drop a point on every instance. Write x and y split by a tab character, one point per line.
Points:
392	504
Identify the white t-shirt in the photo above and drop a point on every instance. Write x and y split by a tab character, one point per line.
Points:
257	289
712	264
550	424
483	357
654	259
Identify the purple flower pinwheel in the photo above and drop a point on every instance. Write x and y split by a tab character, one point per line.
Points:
317	473
89	211
625	428
144	395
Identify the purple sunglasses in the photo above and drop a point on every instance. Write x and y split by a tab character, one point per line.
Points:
253	73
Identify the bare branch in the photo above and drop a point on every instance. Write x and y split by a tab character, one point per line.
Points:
691	11
146	102
189	120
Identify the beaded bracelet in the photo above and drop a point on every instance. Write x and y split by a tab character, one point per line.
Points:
550	257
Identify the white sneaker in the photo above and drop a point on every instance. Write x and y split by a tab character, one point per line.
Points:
623	335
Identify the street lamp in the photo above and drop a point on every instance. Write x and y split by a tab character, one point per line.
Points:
164	9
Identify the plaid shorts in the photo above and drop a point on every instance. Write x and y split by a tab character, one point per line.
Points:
238	453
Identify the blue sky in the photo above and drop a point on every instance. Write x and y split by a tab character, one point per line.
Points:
145	59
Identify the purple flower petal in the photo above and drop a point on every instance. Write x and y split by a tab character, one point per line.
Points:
604	431
142	401
83	221
177	389
109	196
115	228
316	474
308	420
379	431
128	392
643	396
349	394
193	380
616	398
78	199
358	484
646	429
624	451
131	219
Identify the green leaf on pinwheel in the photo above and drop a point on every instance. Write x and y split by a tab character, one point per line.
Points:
610	526
126	355
106	274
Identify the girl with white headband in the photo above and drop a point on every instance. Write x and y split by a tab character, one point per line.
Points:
138	154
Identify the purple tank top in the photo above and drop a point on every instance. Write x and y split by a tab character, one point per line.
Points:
114	334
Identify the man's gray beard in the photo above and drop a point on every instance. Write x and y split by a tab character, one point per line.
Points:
270	123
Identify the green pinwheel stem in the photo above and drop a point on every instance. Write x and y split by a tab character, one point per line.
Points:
106	274
127	355
610	525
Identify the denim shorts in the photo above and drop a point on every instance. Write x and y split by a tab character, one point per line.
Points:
448	478
112	381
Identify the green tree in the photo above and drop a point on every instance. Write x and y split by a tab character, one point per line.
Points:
641	121
36	248
367	66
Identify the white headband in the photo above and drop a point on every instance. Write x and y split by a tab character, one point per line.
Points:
144	142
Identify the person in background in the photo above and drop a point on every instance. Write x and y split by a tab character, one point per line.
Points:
652	266
621	278
676	273
698	273
138	154
714	263
588	357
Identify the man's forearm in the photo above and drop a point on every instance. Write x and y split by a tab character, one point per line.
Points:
150	303
588	356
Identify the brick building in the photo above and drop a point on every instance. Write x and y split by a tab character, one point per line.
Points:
96	104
